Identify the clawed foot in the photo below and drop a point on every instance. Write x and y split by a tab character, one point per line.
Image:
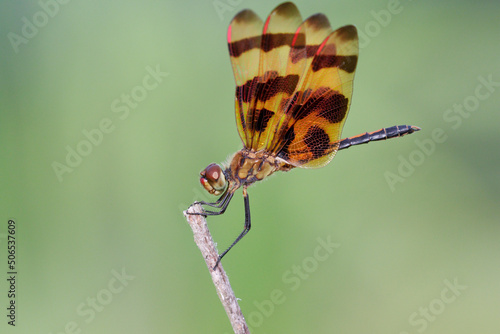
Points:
203	213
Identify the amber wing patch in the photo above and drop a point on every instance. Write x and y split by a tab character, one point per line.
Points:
294	83
265	75
320	105
244	41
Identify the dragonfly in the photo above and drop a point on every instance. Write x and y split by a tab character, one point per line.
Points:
294	82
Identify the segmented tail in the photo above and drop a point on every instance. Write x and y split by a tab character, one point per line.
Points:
382	134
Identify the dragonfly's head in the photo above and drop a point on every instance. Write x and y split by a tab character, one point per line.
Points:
213	179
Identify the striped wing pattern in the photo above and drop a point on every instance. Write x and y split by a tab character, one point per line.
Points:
294	83
244	40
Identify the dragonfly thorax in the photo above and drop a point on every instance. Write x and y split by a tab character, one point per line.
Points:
244	168
247	167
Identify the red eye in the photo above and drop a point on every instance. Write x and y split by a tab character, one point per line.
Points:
213	179
213	172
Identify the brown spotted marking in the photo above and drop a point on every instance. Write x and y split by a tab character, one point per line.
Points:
298	81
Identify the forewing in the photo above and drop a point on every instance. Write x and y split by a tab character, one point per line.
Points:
278	74
244	38
319	107
259	56
316	28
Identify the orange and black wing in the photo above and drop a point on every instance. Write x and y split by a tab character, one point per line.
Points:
265	73
318	108
294	83
244	38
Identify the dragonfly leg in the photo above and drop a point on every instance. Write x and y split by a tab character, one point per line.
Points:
245	230
221	204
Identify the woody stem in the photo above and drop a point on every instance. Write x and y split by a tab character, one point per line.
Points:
205	243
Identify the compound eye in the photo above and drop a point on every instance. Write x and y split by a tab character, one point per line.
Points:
213	173
213	179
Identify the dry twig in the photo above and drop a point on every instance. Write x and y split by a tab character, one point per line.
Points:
205	243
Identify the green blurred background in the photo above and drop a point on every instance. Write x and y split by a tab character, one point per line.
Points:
119	210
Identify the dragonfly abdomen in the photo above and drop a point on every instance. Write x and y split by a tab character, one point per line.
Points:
382	134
